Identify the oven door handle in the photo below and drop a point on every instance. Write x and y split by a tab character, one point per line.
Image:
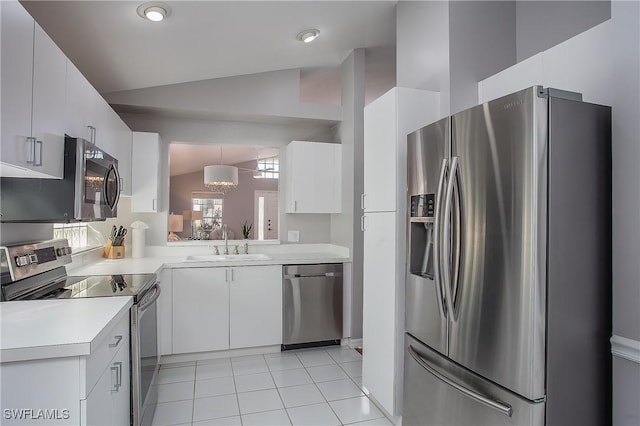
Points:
155	293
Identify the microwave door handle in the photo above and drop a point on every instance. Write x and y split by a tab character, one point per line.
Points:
112	205
118	187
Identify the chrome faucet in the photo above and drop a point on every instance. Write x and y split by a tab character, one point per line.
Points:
226	241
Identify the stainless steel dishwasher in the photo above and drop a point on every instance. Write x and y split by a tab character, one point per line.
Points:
312	302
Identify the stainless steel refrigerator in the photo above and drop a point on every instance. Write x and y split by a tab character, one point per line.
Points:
508	291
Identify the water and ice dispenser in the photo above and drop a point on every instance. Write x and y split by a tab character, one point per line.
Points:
421	234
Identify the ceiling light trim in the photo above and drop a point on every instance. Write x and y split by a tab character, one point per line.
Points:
154	11
307	36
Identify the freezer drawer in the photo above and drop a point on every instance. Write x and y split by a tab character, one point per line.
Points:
440	392
312	305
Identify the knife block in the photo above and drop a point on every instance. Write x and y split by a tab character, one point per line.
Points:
113	252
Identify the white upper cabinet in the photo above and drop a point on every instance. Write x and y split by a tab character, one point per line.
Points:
313	179
44	97
145	176
81	104
89	116
387	122
33	97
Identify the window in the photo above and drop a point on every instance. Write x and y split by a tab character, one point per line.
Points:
268	168
211	209
76	233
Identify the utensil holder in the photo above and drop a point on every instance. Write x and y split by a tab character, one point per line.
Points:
113	252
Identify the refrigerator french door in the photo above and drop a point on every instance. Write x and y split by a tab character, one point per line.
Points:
509	271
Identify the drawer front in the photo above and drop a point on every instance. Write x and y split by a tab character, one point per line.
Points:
108	403
99	360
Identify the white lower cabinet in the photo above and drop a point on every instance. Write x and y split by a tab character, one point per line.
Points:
200	310
255	306
220	308
165	301
108	402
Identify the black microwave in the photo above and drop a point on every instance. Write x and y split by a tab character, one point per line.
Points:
88	191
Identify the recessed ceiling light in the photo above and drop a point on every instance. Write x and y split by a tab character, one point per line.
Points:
308	36
154	11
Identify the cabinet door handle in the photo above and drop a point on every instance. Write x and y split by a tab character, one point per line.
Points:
362	201
39	163
226	275
117	368
232	278
32	141
92	135
295	206
153	205
116	343
362	226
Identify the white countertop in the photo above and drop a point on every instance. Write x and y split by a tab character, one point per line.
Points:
150	265
41	329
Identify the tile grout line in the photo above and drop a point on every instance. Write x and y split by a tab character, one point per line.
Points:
284	407
329	405
305	368
235	386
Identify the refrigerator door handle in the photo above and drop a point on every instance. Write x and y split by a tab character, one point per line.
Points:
437	264
456	219
446	237
503	408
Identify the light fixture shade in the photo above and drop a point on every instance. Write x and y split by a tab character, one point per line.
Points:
175	222
220	178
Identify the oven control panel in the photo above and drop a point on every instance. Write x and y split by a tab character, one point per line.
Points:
25	260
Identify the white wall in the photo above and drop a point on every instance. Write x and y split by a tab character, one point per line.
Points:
625	48
482	41
581	64
345	227
249	97
422	55
541	25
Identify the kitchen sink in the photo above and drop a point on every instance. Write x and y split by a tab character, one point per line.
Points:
227	257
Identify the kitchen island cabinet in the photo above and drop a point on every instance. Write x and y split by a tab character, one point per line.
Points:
65	362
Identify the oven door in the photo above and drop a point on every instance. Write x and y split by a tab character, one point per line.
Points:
98	182
144	356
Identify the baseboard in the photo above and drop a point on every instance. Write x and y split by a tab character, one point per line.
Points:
352	343
628	349
198	356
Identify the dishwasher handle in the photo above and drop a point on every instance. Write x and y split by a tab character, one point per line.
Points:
322	275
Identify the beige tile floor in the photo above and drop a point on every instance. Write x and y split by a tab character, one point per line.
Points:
320	386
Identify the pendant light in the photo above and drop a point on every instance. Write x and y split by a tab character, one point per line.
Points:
220	178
